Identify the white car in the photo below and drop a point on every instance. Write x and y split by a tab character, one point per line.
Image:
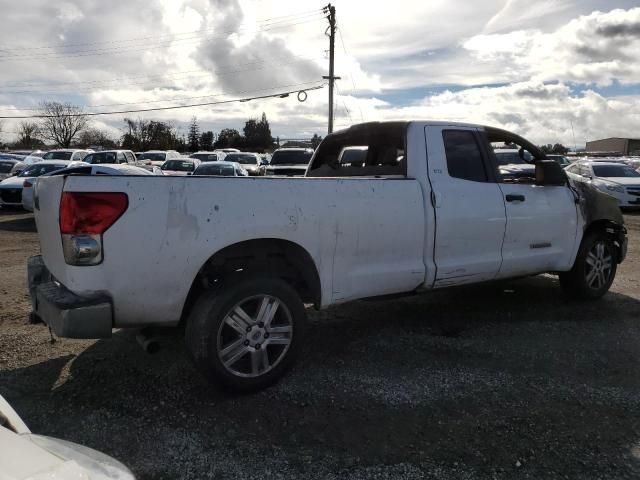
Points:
8	165
110	157
71	154
214	156
81	168
180	166
11	189
157	157
290	162
251	162
221	169
615	178
27	456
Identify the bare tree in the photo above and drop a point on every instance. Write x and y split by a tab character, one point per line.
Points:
61	122
28	133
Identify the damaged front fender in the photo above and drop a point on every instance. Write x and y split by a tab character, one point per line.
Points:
599	210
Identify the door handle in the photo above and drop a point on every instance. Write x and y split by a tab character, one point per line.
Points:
510	197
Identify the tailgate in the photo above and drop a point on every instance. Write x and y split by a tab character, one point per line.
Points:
47	194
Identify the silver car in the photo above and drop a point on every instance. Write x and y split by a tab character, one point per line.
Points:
11	188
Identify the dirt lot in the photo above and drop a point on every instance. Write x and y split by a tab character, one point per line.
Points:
497	381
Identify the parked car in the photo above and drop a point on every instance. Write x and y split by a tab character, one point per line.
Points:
222	168
8	166
180	166
71	154
81	168
614	178
11	188
33	157
290	162
157	157
251	162
214	156
353	156
229	150
426	210
110	157
26	455
561	159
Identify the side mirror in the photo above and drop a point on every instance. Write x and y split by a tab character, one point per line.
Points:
550	173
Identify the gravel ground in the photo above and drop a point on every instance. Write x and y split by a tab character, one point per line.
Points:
506	380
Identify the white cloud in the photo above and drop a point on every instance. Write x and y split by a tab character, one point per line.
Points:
543	113
538	48
595	49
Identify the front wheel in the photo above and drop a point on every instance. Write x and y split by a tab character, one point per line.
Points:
246	335
594	269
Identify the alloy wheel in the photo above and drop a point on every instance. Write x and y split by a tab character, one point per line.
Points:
254	336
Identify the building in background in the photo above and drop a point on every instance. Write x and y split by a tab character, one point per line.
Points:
623	146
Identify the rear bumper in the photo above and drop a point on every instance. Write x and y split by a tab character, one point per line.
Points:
66	313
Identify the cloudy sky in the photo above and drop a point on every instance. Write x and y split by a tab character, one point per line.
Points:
537	67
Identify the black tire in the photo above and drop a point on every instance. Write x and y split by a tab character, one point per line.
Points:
213	327
579	282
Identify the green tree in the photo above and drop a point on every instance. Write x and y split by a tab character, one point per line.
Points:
560	149
257	134
193	137
228	138
95	137
144	135
206	140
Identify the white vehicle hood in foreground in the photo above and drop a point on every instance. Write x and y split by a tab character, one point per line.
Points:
25	456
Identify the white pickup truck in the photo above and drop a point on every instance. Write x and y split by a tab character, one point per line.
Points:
423	206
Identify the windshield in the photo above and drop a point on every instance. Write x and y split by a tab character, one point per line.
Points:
242	158
101	157
40	169
205	157
562	160
155	157
614	171
5	167
291	157
213	169
57	156
178	166
509	158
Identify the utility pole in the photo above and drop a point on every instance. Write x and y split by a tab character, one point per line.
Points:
331	10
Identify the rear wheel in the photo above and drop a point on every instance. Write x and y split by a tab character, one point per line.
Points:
594	269
245	336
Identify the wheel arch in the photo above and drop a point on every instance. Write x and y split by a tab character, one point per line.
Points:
271	256
611	228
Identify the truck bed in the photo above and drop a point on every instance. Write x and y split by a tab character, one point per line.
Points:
173	225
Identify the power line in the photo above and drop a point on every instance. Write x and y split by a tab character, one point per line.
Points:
175	107
174	99
134	39
136	48
344	49
344	104
285	61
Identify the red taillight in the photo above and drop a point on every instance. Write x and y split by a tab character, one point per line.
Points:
27	184
90	213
